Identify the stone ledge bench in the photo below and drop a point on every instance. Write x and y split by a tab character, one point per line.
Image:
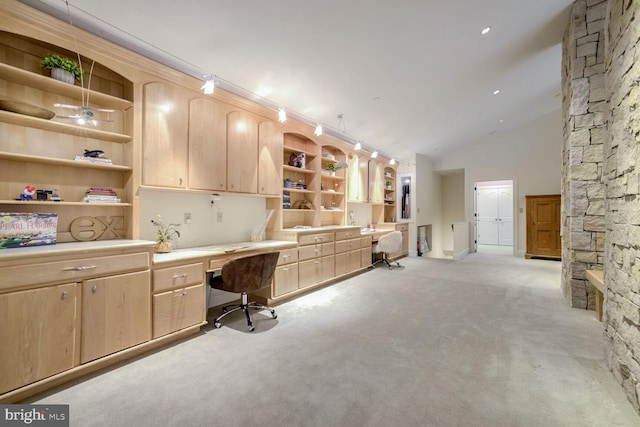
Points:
596	278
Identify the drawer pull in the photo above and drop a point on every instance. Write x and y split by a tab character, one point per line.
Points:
181	294
81	268
180	276
64	295
94	289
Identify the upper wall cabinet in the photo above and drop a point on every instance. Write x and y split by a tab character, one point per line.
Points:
166	128
270	141
242	152
376	181
358	184
207	145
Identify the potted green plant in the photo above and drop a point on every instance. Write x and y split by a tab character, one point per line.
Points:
167	234
63	69
388	185
331	167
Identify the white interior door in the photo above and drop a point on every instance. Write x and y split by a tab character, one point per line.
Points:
505	216
494	206
487	216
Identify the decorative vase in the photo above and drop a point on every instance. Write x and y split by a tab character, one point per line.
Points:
63	76
163	247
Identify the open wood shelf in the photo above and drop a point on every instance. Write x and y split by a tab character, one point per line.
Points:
49	84
63	203
34	122
61	162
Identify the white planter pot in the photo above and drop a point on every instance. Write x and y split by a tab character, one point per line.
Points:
62	75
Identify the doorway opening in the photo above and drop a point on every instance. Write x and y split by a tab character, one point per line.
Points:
494	222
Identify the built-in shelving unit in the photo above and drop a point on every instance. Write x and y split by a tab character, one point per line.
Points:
332	185
41	153
300	185
389	194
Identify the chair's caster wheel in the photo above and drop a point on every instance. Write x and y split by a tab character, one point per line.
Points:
274	315
217	325
251	328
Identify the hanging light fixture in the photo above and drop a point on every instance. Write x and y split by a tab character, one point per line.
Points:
282	115
358	146
374	154
318	130
209	86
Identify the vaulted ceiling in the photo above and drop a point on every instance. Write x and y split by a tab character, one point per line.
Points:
407	76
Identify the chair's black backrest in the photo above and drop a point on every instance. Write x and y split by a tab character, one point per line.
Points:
249	273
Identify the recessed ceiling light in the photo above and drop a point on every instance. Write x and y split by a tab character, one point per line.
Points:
497	91
485	30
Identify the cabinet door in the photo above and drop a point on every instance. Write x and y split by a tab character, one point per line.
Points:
242	152
207	145
178	309
38	334
376	182
270	159
116	313
165	130
285	279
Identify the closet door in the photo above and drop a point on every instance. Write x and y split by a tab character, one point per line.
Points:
495	216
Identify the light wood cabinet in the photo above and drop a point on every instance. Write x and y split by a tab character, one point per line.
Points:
315	270
347	249
543	226
116	314
270	143
332	186
166	124
302	184
242	152
358	185
38	334
207	145
376	181
404	247
178	299
285	279
389	194
366	250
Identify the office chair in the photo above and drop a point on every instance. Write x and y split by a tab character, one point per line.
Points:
388	243
242	275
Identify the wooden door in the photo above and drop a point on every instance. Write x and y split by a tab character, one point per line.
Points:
165	130
270	143
543	226
116	313
38	334
207	145
242	152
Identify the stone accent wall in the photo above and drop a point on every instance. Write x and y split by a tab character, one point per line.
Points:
584	109
622	206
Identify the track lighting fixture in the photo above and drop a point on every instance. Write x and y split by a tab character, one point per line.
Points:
282	115
374	154
209	86
392	161
318	130
358	146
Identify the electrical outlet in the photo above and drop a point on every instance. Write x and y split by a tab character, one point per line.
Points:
187	218
219	216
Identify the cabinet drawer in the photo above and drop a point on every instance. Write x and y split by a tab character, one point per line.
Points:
216	264
316	270
350	234
287	256
177	277
365	242
314	251
73	270
175	310
311	239
285	279
347	245
402	227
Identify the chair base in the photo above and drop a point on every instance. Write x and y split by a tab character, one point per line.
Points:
244	306
385	260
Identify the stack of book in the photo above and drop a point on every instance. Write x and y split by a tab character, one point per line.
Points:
101	195
95	159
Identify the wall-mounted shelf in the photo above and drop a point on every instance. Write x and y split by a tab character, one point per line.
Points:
38	81
61	162
49	125
298	170
63	203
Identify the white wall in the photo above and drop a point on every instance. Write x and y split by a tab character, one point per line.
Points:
530	155
240	216
453	206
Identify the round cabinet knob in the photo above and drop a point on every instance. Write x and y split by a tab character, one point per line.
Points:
64	295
